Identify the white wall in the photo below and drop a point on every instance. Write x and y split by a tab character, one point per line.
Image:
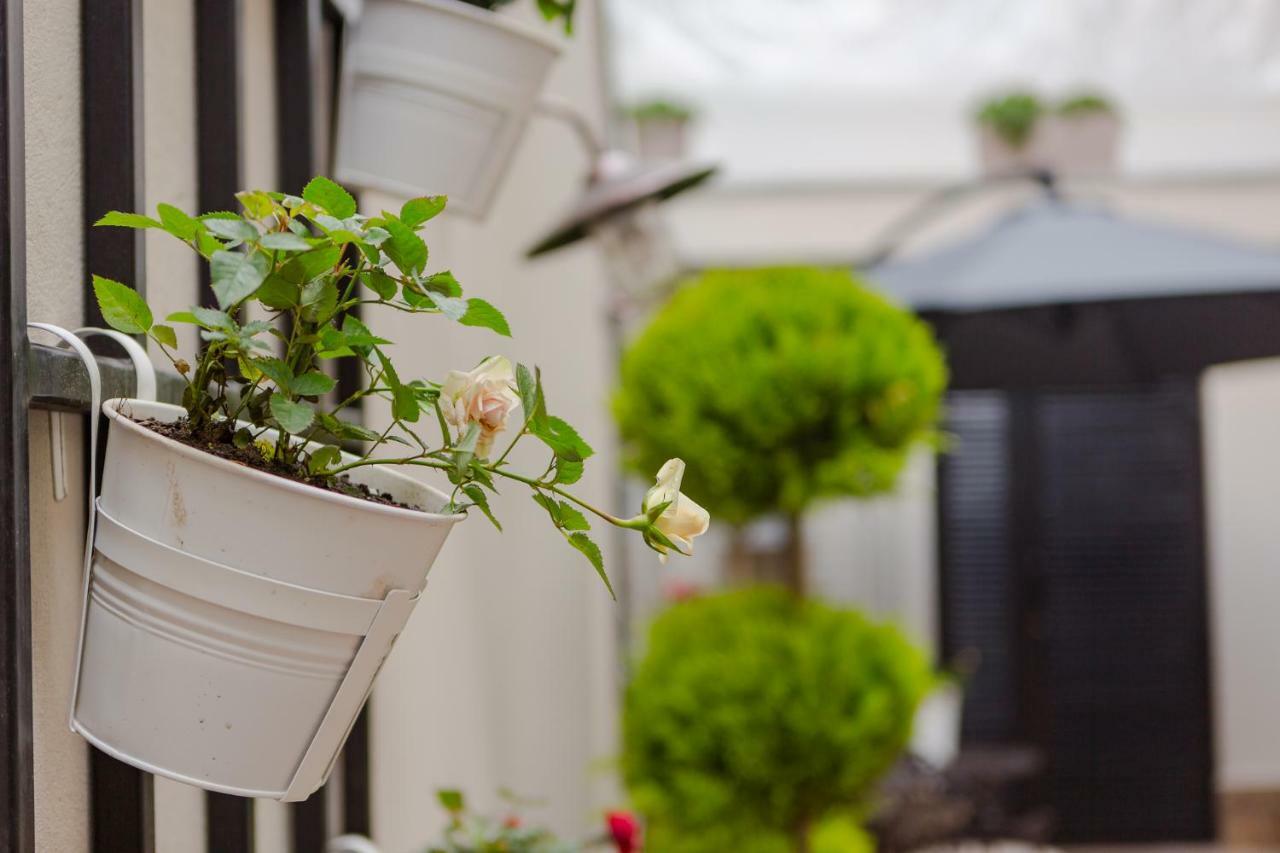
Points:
1241	406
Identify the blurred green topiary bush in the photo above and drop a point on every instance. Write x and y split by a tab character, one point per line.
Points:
778	387
755	715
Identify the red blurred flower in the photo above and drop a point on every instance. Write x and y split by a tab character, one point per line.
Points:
625	830
512	822
676	591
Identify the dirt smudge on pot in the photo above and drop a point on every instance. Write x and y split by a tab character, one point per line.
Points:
177	506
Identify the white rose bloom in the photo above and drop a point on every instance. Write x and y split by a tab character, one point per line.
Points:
484	395
683	519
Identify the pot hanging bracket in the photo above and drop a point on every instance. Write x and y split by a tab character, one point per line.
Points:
317	761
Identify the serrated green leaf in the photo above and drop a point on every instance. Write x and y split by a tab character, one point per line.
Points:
465	450
417	211
177	223
405	248
165	335
319	300
212	318
568	471
481	500
404	405
303	268
128	220
591	550
322	459
380	283
236	275
284	241
327	194
530	392
183	317
571	518
450	306
443	283
256	203
293	416
122	307
278	293
231	229
276	370
312	383
481	313
563	439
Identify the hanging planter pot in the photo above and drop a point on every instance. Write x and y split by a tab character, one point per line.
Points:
256	601
434	98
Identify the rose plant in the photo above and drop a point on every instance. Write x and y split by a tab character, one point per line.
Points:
471	833
308	262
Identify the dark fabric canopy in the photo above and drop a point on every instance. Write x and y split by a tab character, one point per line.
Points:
1059	294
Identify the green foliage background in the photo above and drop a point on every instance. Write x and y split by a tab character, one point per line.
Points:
779	387
755	712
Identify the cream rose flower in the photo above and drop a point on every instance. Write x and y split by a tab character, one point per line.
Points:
484	395
683	519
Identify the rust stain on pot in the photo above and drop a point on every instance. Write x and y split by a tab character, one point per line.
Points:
177	506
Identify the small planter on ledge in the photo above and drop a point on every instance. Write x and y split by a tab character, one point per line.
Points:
1084	137
662	129
245	582
435	96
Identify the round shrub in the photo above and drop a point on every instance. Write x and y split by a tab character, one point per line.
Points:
755	715
778	387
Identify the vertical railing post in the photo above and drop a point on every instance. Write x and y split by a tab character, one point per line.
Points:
17	764
111	92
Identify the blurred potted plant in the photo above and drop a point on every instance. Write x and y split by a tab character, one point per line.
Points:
1010	133
247	581
435	96
1084	137
791	385
661	129
468	832
760	723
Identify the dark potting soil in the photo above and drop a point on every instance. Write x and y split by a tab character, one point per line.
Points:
217	441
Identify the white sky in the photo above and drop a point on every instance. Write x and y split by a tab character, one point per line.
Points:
808	90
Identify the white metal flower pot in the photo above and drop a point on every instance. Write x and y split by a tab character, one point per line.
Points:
434	97
235	620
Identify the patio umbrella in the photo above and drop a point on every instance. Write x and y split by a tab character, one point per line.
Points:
1059	293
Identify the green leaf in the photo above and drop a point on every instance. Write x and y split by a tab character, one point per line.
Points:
212	318
443	283
319	300
571	518
563	439
303	268
183	317
122	307
294	416
481	313
276	370
529	385
284	241
405	248
481	500
380	283
329	195
322	459
583	543
243	438
177	223
404	404
312	384
450	306
465	450
278	293
451	800
236	275
256	203
128	220
568	471
231	229
165	335
416	211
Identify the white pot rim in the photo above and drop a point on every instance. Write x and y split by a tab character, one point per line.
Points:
111	408
492	18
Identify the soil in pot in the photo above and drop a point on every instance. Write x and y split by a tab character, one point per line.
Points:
217	440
